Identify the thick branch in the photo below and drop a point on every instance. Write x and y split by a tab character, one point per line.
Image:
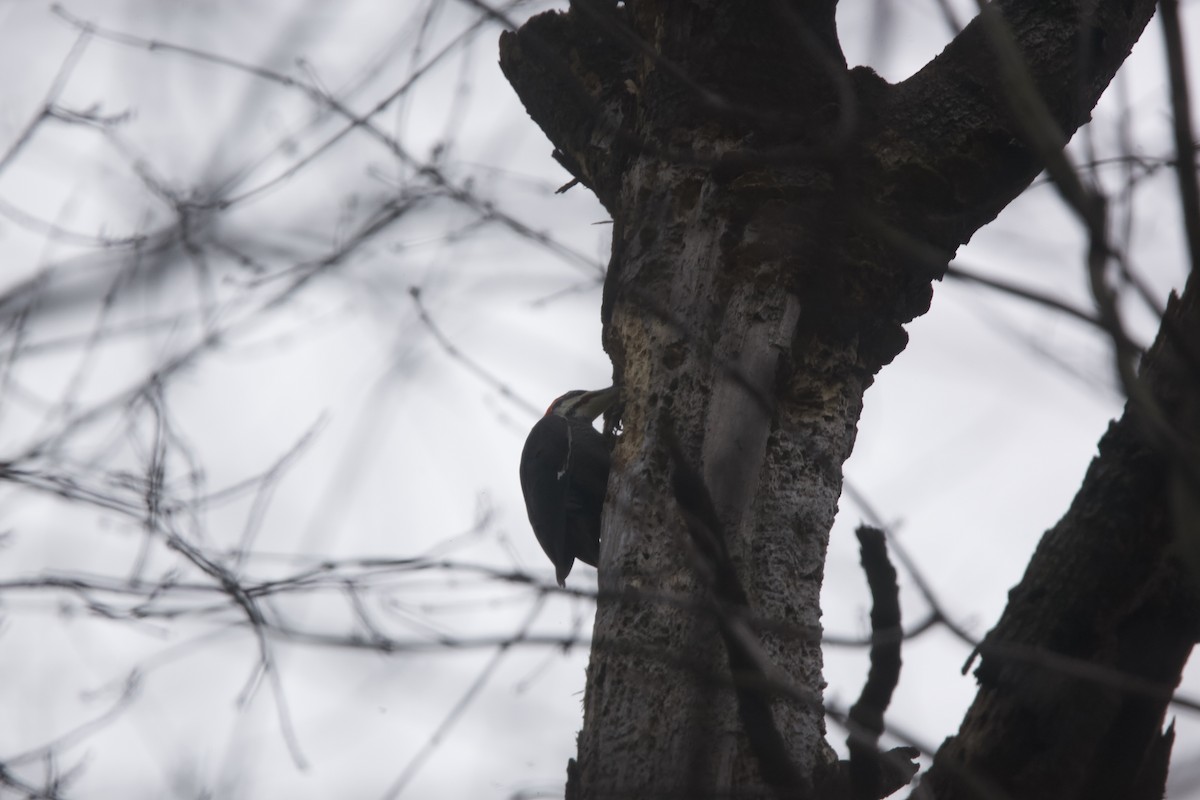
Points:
967	133
1076	677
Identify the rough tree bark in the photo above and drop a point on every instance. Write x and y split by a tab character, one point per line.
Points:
1076	677
777	218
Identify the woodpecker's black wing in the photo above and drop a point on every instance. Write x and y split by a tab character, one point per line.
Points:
588	482
542	461
564	472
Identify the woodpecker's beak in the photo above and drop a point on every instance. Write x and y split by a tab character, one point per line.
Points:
590	405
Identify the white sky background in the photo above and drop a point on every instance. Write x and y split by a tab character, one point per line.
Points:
972	442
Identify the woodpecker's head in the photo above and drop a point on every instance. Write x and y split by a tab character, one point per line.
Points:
578	404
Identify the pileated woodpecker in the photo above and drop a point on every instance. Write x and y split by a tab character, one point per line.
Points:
564	473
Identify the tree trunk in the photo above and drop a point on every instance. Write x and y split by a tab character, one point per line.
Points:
777	218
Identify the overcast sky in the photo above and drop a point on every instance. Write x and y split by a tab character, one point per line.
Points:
351	349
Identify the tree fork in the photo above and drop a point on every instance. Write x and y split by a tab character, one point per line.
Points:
777	219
